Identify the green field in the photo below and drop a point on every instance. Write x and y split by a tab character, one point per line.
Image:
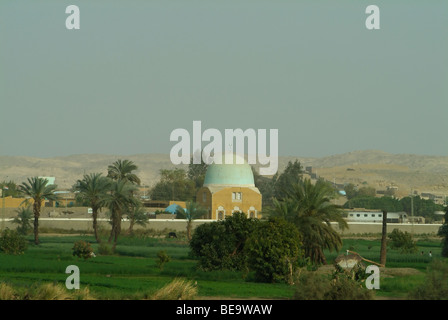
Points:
405	271
132	272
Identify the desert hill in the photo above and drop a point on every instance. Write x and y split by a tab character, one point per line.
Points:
378	169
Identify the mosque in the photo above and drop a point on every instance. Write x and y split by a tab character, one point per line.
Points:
229	188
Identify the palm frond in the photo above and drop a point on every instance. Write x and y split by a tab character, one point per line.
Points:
122	170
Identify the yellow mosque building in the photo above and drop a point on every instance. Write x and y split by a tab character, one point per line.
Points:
229	188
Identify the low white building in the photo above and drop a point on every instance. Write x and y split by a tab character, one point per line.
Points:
376	216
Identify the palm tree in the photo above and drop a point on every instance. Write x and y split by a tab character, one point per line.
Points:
121	170
309	207
38	190
93	189
137	215
118	201
192	211
23	220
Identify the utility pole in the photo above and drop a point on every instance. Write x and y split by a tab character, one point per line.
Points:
3	208
383	252
4	187
412	212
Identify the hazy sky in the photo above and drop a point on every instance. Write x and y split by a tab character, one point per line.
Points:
136	70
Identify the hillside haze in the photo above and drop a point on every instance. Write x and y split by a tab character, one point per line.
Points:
408	172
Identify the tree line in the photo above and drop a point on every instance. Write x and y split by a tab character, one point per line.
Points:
117	192
114	192
419	206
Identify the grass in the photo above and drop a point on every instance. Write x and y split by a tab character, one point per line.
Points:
132	272
178	289
399	287
370	249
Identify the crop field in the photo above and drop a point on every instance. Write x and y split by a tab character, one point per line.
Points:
132	271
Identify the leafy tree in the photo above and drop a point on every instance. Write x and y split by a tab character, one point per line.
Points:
10	189
196	173
266	186
421	207
402	241
386	203
173	185
193	211
23	220
289	177
37	189
350	191
366	192
278	185
310	209
93	189
274	250
11	242
219	245
210	244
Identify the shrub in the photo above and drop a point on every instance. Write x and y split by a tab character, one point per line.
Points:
274	250
311	286
48	291
12	243
51	291
343	285
163	258
82	249
349	284
402	241
346	288
219	245
178	289
7	292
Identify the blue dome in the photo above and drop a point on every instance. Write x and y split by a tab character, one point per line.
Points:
173	208
229	174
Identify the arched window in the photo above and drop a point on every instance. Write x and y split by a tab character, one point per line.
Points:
220	213
252	213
